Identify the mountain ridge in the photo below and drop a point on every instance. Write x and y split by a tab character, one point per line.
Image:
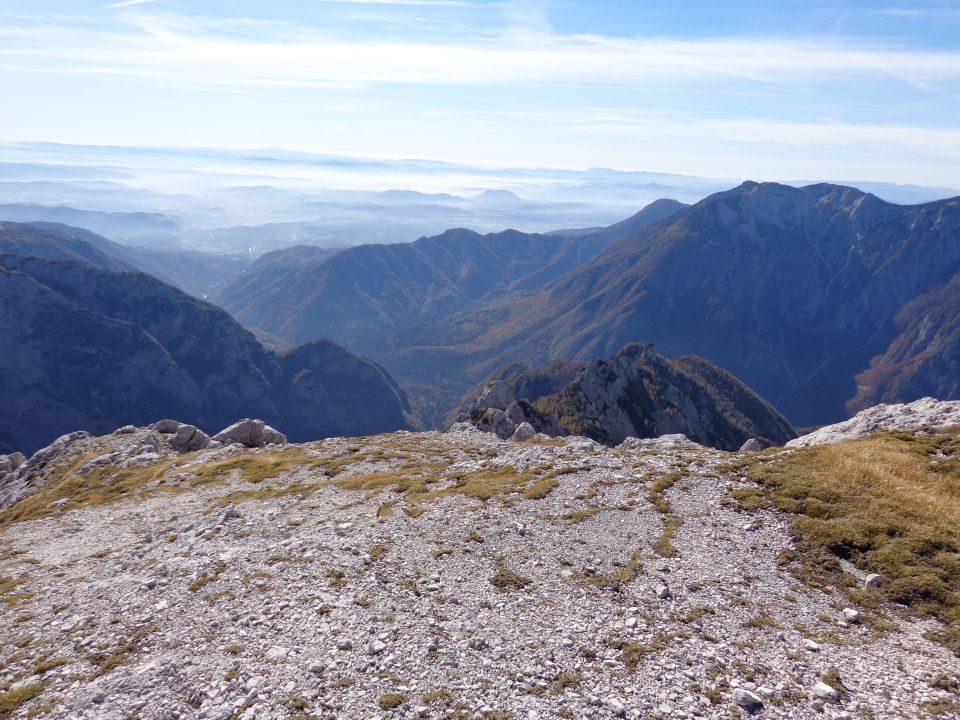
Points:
96	348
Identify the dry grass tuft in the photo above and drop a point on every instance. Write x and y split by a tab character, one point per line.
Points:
11	700
664	546
509	580
256	468
660	486
391	701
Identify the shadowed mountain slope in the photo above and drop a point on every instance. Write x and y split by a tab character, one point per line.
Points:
95	349
192	271
924	360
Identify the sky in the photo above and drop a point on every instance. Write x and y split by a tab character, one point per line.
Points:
786	90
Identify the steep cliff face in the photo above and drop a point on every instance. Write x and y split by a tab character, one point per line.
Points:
924	359
92	349
637	393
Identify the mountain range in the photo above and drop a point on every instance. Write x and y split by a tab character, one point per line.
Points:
383	300
793	290
91	345
822	299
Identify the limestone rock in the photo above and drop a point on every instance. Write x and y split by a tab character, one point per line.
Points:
923	413
9	463
166	427
751	445
824	692
669	443
523	432
250	433
189	438
747	699
497	422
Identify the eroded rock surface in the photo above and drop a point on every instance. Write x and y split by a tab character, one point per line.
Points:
924	413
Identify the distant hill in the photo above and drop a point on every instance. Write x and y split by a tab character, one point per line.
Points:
637	393
192	271
91	348
17	239
122	224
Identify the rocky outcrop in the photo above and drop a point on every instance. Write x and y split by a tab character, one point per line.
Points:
188	438
924	413
638	393
97	349
250	433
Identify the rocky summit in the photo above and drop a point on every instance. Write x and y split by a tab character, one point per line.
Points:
637	394
442	575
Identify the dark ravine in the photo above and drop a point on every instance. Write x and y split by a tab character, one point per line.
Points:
637	393
94	349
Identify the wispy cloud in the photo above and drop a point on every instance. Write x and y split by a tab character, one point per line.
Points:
128	3
207	52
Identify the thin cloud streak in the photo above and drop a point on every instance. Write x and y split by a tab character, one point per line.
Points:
161	47
127	3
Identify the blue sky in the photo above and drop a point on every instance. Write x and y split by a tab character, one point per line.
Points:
779	89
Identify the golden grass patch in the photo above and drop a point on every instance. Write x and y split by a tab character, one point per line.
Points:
12	700
890	504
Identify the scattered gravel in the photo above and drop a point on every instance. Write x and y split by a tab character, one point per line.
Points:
197	602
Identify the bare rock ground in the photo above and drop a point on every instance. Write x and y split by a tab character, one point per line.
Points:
542	579
924	413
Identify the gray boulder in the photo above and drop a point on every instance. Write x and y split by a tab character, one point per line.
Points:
494	395
189	438
496	421
515	413
523	432
825	692
51	451
9	463
751	445
251	433
674	442
167	427
746	699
